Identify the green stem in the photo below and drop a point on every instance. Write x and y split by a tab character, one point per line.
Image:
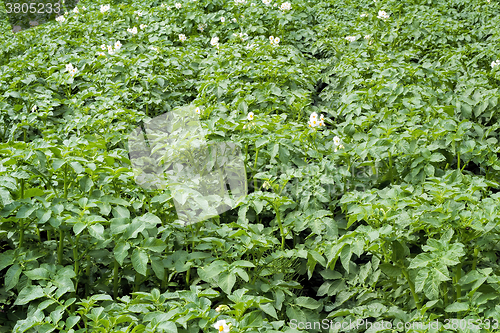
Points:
255	180
458	276
474	261
87	272
115	279
278	217
445	294
21	222
188	273
65	181
60	248
390	168
77	262
412	288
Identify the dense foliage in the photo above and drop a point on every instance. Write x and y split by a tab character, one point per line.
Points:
387	212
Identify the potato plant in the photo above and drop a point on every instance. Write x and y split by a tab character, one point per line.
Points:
368	134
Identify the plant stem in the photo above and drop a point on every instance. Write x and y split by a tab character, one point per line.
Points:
115	279
458	276
474	261
412	288
390	167
65	181
21	222
60	248
278	217
87	272
445	294
77	262
188	273
255	180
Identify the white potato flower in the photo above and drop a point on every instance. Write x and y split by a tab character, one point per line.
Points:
33	23
69	67
142	26
34	108
133	30
198	111
495	63
105	8
178	5
364	15
222	19
182	37
286	6
118	45
250	116
336	141
351	38
221	326
382	15
367	37
214	41
154	48
75	10
266	2
60	19
73	71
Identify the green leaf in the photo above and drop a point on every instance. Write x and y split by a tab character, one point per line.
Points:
96	231
307	302
12	276
421	260
140	261
28	294
242	263
121	251
6	259
154	244
72	321
345	257
78	228
37	274
158	267
243	107
167	326
86	184
268	308
226	282
25	211
390	270
457	307
77	167
252	319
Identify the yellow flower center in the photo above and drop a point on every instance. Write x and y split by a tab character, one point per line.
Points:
221	328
